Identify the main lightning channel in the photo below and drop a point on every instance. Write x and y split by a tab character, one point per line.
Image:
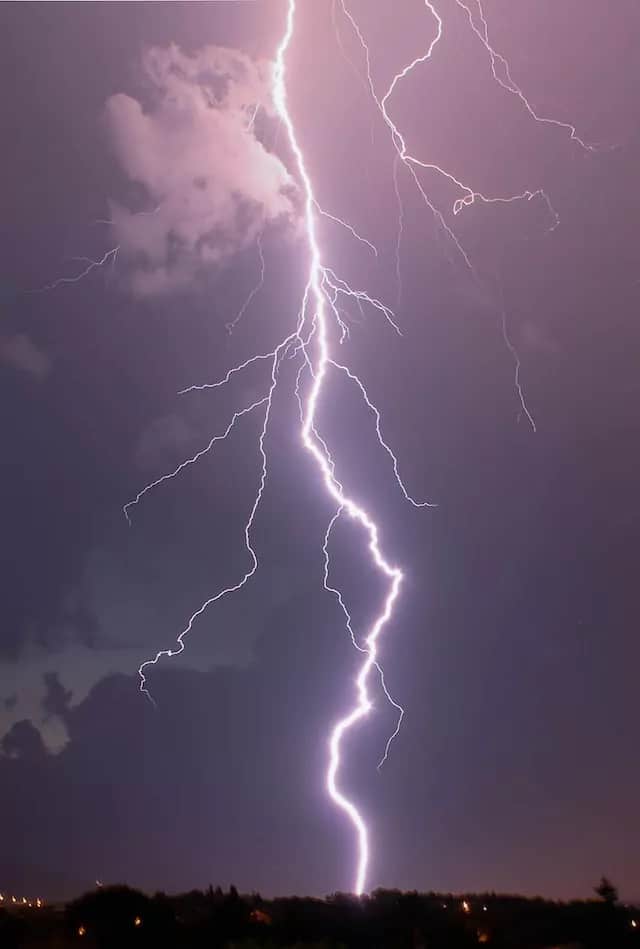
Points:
320	360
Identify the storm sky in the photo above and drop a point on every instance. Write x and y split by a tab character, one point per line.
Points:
515	649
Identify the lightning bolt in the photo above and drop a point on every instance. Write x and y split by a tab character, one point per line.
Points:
321	324
254	290
507	82
318	314
517	365
91	265
110	256
267	402
399	232
469	195
191	461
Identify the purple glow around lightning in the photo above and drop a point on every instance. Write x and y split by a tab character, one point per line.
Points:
319	326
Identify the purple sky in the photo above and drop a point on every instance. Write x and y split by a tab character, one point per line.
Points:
514	650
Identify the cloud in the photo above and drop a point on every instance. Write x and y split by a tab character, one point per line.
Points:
23	741
124	608
134	782
22	354
195	152
45	698
57	699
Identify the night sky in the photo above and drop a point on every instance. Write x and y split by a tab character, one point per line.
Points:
515	648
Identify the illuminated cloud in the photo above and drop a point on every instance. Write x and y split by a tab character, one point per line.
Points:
36	721
210	185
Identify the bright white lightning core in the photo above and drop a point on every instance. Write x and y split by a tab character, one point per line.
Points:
318	355
319	325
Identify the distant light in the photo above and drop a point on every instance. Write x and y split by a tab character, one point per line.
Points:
634	924
444	905
82	931
259	916
38	902
24	899
1	898
98	882
137	921
484	909
13	899
465	907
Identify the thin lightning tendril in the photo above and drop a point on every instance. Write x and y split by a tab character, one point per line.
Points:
91	265
253	292
376	413
347	226
517	365
469	195
268	402
232	372
252	119
191	461
400	231
349	625
508	84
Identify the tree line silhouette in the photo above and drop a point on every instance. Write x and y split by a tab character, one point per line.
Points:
118	917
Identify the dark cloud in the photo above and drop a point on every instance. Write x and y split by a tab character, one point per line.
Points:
23	741
56	699
121	763
231	762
